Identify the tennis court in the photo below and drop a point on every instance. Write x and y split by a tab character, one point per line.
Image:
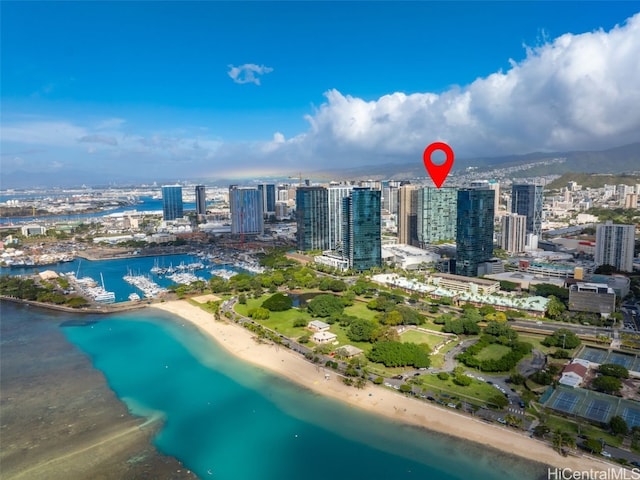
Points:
621	359
598	410
594	355
631	415
565	401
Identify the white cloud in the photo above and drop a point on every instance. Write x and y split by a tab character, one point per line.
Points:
248	73
576	92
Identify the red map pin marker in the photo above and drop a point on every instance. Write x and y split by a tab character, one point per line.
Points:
438	173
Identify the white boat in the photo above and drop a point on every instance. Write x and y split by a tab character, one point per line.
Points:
133	297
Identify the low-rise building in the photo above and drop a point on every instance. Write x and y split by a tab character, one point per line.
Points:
318	326
592	297
573	374
323	337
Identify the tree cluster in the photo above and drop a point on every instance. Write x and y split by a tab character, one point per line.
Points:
325	305
563	338
278	302
399	354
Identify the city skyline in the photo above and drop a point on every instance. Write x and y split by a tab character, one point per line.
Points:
212	89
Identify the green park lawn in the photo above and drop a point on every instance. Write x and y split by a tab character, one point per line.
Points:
360	310
282	322
492	352
416	336
477	390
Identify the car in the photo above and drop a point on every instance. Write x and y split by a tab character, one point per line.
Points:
636	464
431	399
522	404
605	454
502	420
451	405
416	374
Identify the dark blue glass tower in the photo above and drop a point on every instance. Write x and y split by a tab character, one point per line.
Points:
474	229
528	200
172	202
361	230
312	218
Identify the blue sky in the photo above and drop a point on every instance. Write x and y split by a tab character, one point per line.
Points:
204	89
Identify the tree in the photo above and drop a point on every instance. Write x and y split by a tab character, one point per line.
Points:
563	338
618	425
548	289
242	299
561	439
259	313
325	305
300	322
555	307
593	445
508	286
607	384
541	430
499	401
613	370
361	330
278	302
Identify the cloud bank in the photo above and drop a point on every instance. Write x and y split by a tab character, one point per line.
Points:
576	92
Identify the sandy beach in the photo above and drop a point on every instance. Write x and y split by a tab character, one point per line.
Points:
379	400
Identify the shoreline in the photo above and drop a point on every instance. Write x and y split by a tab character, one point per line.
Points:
376	400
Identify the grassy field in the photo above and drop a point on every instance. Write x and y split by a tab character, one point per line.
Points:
415	336
282	322
360	310
492	352
478	390
555	422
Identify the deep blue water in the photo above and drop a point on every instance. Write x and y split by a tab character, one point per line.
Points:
225	419
113	271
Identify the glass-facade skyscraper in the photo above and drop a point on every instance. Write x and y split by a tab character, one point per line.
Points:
474	229
527	200
201	200
312	218
336	194
172	207
436	215
362	235
408	215
268	191
245	204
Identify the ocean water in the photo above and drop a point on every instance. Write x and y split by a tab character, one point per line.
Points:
226	419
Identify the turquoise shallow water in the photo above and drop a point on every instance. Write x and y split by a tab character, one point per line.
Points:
225	419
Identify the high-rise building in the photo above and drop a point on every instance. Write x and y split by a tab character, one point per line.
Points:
245	205
362	229
335	195
312	218
474	230
172	207
514	230
408	215
390	196
614	245
201	200
268	191
528	200
436	215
